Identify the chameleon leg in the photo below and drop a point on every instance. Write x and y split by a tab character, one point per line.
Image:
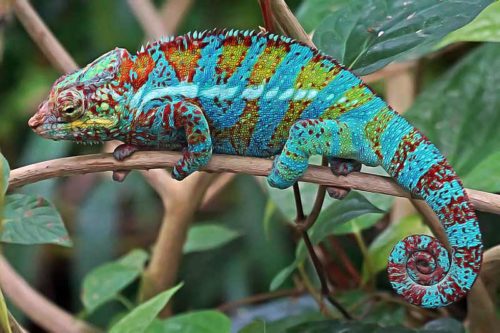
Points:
341	167
190	118
306	138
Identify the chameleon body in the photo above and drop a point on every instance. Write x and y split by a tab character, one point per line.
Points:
258	94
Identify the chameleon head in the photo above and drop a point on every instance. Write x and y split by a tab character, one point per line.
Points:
84	106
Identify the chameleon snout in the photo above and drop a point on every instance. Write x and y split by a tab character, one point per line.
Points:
39	117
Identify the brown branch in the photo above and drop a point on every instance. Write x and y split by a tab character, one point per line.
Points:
167	252
173	13
42	36
37	307
483	201
150	21
287	21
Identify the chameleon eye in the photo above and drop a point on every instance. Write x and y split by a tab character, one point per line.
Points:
70	110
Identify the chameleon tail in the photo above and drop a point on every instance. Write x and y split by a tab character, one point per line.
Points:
420	268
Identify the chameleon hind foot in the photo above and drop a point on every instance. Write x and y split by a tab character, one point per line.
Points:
306	138
121	153
341	167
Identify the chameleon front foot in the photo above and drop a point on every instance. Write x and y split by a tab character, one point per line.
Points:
124	150
121	153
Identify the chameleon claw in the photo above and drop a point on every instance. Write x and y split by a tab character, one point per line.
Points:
120	175
338	193
124	150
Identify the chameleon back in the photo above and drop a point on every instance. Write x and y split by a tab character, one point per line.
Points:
253	86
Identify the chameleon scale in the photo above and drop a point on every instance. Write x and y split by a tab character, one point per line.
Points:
258	94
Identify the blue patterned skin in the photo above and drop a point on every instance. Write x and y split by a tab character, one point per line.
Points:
257	94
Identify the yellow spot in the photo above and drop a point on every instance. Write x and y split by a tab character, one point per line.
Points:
267	63
315	75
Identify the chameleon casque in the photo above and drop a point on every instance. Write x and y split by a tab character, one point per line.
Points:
258	94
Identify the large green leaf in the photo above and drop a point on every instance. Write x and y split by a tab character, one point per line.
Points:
141	317
311	12
207	321
105	282
366	35
485	175
459	113
381	247
484	28
32	220
4	175
208	236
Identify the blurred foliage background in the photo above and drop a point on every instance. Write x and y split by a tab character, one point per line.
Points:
457	107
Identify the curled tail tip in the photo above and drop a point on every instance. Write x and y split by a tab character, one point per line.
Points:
421	271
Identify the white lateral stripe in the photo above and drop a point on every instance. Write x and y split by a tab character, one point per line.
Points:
253	93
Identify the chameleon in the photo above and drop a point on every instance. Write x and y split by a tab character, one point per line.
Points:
253	93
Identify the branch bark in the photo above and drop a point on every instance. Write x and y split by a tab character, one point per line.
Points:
483	201
31	302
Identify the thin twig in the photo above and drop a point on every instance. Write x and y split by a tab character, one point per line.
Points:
298	203
257	298
301	220
325	290
483	201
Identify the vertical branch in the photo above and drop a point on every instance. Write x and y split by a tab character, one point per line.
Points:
42	36
173	13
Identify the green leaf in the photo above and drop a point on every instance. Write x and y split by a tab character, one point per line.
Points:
282	276
207	237
310	12
4	175
4	315
366	35
207	321
105	282
142	316
484	28
257	326
381	247
351	207
459	112
485	175
32	220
